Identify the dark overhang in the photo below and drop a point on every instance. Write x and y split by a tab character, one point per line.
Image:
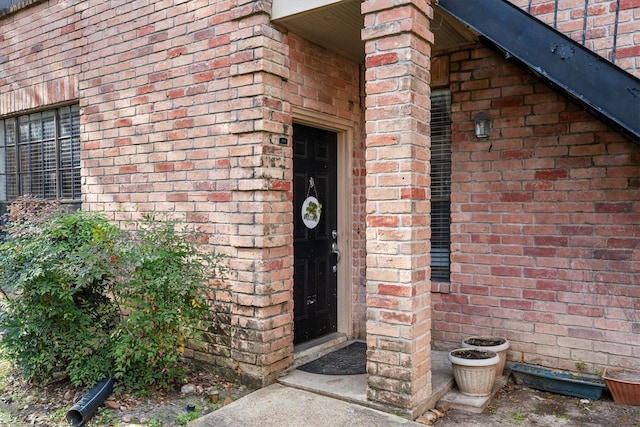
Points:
601	87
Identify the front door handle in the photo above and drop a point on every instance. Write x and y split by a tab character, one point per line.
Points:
334	250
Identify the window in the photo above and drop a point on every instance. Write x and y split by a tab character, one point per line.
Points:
6	3
440	184
40	156
10	6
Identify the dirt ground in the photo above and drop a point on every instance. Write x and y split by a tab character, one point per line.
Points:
518	406
24	404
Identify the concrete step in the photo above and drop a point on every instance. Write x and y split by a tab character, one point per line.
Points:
353	388
474	405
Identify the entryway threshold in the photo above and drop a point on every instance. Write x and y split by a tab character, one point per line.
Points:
353	388
314	349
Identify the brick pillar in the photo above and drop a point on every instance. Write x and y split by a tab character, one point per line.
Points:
261	217
398	49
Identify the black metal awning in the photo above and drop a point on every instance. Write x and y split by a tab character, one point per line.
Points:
601	87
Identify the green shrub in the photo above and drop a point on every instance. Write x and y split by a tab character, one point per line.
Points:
165	301
58	271
84	297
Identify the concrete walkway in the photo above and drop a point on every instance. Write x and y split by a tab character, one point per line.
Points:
281	406
307	400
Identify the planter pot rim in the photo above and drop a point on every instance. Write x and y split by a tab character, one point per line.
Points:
613	378
625	387
494	359
496	348
558	381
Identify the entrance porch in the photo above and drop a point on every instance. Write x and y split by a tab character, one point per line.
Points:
353	388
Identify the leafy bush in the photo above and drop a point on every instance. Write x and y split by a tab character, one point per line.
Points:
59	318
86	298
164	300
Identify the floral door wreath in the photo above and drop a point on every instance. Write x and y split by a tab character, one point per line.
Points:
311	207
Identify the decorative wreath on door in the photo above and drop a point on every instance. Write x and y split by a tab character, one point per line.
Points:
311	207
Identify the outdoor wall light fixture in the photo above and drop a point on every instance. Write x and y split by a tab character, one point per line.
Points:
482	125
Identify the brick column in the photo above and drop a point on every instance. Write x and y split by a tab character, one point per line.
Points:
262	286
398	49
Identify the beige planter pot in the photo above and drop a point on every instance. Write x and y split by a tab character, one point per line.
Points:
474	377
498	344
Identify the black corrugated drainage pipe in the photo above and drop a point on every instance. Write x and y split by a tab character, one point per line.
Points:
85	407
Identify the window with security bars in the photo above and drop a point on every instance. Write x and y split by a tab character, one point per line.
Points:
440	184
40	156
19	4
6	3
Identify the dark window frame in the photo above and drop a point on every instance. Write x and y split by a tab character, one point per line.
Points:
8	7
40	156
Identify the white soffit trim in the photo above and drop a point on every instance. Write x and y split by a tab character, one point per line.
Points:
284	8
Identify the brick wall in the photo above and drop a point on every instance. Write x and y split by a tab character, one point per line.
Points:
26	81
181	103
608	24
545	224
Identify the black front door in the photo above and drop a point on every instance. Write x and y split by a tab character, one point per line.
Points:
315	232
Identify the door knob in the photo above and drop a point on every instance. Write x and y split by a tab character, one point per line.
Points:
334	250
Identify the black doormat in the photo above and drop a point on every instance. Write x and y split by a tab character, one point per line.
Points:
349	360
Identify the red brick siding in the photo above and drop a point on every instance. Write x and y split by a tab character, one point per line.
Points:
196	92
398	49
26	81
545	223
180	103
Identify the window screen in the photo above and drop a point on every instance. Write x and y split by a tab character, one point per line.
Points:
440	184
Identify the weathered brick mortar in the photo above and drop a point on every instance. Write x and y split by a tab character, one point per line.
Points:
173	100
397	104
180	106
545	224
